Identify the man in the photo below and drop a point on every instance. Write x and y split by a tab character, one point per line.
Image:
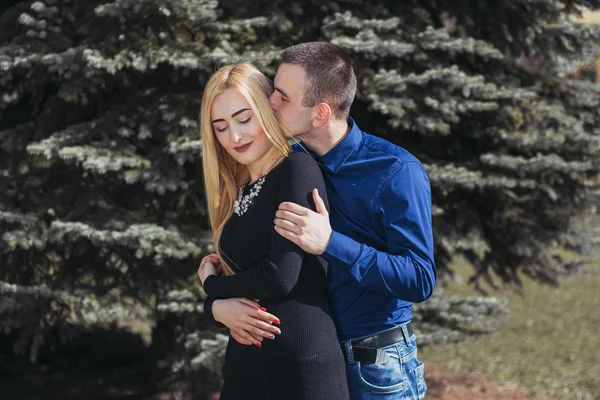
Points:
377	240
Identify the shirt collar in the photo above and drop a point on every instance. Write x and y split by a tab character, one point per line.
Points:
334	158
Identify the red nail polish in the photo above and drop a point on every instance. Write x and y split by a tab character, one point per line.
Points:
259	344
277	321
262	308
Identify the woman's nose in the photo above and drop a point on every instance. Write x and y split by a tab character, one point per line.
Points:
236	136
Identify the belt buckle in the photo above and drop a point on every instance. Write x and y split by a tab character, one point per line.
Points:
368	355
382	357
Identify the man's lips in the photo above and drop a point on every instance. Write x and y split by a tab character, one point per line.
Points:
243	148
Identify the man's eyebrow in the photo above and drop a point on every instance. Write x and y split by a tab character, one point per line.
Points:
281	91
232	115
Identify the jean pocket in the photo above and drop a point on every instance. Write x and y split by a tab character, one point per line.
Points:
382	378
420	378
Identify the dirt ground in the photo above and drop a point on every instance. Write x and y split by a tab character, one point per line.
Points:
445	385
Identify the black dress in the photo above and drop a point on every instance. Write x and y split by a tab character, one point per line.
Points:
304	362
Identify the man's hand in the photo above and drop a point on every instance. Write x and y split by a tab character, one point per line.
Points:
310	230
248	322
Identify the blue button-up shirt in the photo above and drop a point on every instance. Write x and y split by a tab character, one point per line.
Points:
381	251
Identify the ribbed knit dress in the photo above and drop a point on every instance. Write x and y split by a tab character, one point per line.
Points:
304	362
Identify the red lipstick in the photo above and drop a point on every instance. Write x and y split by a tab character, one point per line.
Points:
243	148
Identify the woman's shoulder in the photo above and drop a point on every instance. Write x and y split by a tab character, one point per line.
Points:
299	160
301	167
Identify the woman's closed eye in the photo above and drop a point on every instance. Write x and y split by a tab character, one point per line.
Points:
245	120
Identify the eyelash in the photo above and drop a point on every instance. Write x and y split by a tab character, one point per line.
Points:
244	121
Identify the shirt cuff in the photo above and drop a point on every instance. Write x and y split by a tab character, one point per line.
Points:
341	251
208	314
207	284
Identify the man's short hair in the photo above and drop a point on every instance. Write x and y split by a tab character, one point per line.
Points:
330	77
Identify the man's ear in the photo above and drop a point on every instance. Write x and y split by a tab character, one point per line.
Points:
323	114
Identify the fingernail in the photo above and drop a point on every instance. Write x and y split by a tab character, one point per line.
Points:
277	321
272	336
278	332
262	308
259	344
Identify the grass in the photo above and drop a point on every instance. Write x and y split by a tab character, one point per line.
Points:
548	343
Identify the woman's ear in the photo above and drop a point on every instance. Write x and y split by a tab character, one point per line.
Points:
323	115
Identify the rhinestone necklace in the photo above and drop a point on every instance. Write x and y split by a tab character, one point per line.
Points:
241	205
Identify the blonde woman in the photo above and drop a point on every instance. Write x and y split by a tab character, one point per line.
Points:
248	171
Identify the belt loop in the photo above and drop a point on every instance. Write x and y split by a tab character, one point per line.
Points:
349	353
405	334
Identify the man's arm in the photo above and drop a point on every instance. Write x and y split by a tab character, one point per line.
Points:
407	269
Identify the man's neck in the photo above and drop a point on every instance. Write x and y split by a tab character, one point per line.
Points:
320	141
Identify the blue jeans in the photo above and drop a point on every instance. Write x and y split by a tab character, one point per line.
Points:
400	378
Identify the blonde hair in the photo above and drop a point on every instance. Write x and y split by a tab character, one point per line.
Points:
222	174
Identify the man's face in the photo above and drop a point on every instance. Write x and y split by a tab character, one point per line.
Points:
286	101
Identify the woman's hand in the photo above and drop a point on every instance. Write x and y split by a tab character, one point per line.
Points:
248	322
208	266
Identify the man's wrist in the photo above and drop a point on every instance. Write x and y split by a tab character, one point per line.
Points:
342	251
326	244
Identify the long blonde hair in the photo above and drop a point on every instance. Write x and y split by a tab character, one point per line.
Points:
222	174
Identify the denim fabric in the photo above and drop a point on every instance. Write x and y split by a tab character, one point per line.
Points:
400	378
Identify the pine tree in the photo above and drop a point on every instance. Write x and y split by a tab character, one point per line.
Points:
102	210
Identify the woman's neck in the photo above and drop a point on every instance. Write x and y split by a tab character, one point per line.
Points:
263	165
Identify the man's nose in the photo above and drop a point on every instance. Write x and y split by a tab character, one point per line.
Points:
273	101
